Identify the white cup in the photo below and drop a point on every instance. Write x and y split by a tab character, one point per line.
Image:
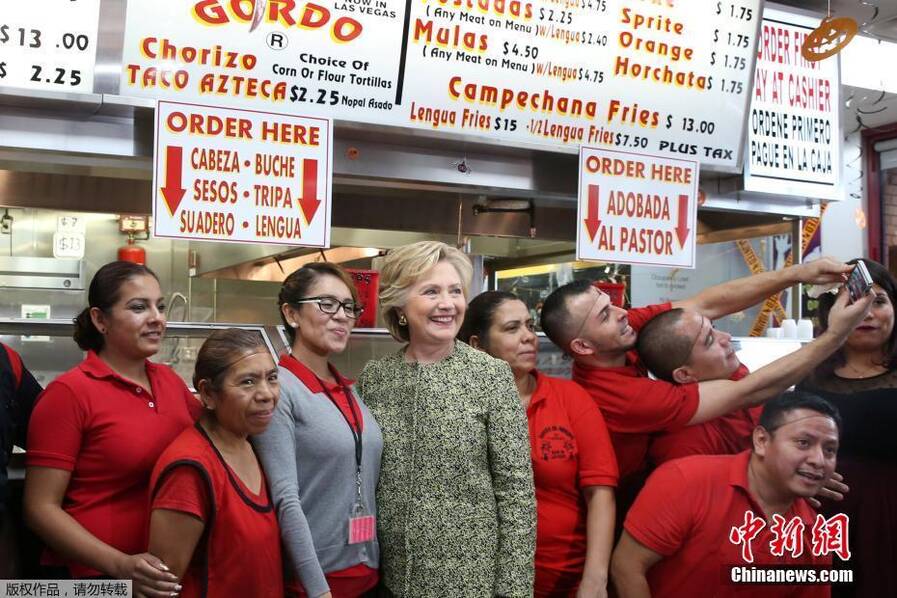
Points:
789	328
805	330
774	333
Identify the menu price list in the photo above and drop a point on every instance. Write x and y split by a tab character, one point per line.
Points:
50	45
663	76
628	74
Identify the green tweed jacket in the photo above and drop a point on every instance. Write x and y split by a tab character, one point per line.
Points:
456	505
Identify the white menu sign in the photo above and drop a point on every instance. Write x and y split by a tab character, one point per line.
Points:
49	45
666	77
224	174
794	125
636	209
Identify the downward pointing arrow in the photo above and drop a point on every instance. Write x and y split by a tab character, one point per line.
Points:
593	223
172	191
309	202
682	229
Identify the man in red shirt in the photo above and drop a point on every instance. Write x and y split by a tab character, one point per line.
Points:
601	339
682	347
704	524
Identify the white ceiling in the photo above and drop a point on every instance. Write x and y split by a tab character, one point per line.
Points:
876	18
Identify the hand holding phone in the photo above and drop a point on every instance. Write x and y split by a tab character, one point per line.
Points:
859	282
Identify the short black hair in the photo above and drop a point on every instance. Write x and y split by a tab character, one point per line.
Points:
660	347
479	314
555	316
775	409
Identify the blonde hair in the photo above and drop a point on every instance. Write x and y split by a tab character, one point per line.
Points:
403	266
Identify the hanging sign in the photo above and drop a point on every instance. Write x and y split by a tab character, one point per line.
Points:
669	77
224	174
829	38
794	124
636	208
49	45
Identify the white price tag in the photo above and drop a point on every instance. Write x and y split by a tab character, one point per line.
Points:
68	245
49	45
71	224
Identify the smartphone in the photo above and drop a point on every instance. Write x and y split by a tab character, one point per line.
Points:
859	282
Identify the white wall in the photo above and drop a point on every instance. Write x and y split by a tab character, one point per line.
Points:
842	235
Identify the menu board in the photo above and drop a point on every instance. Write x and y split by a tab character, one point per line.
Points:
49	45
794	128
667	77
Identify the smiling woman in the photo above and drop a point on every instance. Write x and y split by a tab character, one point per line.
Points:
456	471
97	431
213	521
573	461
861	381
322	450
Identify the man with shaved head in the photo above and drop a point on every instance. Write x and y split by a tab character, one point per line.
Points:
683	347
601	339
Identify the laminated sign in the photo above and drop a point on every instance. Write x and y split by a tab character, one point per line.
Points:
636	208
223	174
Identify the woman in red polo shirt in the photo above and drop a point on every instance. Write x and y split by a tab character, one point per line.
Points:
574	467
213	521
98	429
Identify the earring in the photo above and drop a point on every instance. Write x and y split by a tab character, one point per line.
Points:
294	325
103	331
403	321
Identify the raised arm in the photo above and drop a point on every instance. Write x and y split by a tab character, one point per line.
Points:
742	293
629	567
512	482
719	397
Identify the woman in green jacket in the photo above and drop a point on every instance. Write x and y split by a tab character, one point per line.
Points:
456	500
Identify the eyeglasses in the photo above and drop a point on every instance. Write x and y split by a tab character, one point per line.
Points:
331	305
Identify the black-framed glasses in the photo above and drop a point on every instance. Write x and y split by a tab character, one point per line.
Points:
331	305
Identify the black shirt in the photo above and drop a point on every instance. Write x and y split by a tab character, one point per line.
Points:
16	403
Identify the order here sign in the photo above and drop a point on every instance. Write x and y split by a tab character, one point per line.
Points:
244	176
636	208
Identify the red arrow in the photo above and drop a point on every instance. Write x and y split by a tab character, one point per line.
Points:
172	191
682	229
309	202
592	221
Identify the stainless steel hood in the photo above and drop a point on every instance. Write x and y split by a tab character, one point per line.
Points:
93	152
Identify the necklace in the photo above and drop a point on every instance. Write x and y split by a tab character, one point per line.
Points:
527	394
866	372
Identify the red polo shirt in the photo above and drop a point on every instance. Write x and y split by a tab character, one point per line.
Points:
357	579
635	406
571	450
725	435
686	511
108	432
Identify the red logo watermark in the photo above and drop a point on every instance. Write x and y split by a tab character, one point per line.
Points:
828	536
